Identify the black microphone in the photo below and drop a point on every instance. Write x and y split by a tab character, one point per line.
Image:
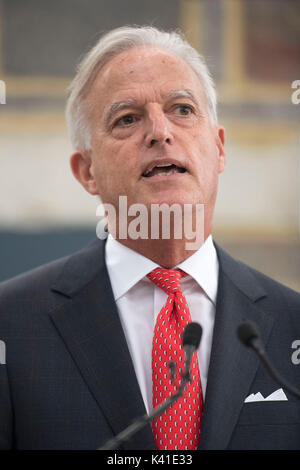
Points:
249	336
190	340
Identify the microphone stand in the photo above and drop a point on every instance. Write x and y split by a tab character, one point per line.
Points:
140	422
258	348
248	334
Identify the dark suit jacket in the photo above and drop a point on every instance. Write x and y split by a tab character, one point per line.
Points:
69	383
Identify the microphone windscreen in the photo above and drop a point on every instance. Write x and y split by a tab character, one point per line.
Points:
192	335
247	332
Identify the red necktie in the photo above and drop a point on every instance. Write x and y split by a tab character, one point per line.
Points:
179	426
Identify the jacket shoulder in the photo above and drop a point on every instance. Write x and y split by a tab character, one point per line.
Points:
32	284
36	284
249	280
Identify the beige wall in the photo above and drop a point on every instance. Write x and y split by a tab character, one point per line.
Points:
260	189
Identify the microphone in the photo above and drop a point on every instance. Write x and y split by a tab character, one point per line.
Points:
190	340
249	336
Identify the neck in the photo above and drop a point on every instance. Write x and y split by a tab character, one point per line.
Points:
166	253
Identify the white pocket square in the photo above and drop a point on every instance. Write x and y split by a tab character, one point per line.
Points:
278	395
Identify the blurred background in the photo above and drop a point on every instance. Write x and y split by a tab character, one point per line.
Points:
253	51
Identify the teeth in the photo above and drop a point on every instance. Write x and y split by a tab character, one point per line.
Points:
157	166
167	173
148	171
168	164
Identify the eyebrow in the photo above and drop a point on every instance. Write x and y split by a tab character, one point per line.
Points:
118	106
186	93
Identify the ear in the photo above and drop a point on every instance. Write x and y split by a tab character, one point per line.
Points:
220	142
81	165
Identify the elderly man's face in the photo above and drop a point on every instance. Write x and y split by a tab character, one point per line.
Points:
148	109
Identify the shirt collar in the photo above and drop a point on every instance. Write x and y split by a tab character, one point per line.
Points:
126	267
203	266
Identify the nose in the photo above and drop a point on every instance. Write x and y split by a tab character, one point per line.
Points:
158	128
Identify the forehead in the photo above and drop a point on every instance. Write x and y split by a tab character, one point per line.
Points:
143	70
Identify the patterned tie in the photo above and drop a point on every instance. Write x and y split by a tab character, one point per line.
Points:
178	427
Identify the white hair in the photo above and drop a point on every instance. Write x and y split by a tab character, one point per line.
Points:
112	44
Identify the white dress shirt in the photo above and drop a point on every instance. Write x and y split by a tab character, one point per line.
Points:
139	301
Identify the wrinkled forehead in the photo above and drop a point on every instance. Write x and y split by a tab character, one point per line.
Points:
138	56
144	66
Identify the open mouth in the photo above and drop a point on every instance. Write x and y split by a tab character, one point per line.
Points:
163	170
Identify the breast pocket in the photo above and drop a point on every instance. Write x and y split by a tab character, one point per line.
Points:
267	426
269	412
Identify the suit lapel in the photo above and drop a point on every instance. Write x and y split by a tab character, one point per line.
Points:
232	366
89	324
90	327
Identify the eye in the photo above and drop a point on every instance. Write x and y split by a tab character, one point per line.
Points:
184	109
126	121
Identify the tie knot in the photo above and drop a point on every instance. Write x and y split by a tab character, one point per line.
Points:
167	279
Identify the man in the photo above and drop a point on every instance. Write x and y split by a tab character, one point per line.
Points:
89	338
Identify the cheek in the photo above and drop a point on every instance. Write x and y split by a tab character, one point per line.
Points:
112	169
205	159
204	152
201	137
